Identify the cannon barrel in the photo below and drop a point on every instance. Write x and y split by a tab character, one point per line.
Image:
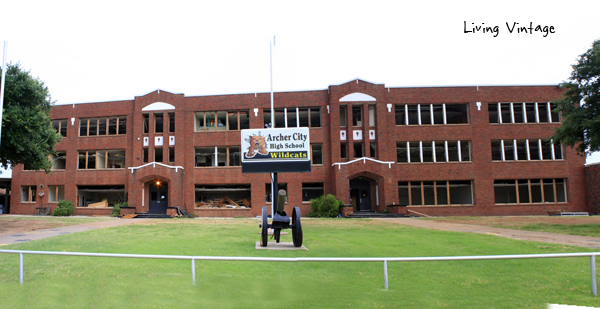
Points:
281	194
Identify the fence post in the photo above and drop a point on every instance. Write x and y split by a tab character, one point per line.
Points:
385	275
593	274
193	272
21	268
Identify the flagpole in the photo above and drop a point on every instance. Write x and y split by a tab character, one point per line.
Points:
2	86
273	175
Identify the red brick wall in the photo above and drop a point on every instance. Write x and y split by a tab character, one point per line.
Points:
593	187
383	177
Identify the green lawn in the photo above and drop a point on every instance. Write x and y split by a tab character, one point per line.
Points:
578	229
76	282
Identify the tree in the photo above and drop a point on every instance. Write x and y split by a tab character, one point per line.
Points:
580	105
27	134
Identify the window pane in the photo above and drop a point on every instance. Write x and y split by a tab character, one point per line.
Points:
536	191
413	114
534	149
292	122
93	130
521	150
122	125
343	115
145	158
371	115
438	114
91	160
146	123
548	190
461	192
403	193
63	128
415	193
518	109
530	112
457	113
244	120
401	153
425	114
112	126
315	117
373	150
558	152
221	156
205	156
543	111
102	126
199	116
234	156
101	162
442	192
546	150
440	151
429	193
221	121
83	124
357	115
505	111
343	150
171	123
158	123
509	150
158	154
116	159
267	117
303	114
505	191
279	118
561	191
317	154
81	158
555	115
493	112
524	191
358	150
210	121
496	151
400	114
427	151
453	151
415	152
171	154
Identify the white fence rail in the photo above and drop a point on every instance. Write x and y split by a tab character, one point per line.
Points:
385	260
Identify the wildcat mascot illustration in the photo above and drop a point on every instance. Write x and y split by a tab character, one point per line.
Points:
257	145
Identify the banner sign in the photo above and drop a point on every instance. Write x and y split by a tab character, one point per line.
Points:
275	150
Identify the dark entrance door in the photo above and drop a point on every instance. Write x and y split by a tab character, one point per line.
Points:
360	192
159	199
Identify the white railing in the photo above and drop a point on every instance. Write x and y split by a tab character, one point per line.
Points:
193	259
154	166
364	159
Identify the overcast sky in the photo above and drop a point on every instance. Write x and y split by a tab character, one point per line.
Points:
116	50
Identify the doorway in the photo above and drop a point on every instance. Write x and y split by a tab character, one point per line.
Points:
159	199
360	194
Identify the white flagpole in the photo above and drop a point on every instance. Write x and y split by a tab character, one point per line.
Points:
273	196
2	85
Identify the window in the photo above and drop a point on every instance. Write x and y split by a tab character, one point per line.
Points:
217	156
373	150
435	193
98	126
222	121
146	123
433	151
280	186
357	116
431	114
344	150
213	196
358	150
99	196
60	126
58	160
317	154
527	191
56	193
537	112
158	154
524	150
171	122
101	159
158	123
311	191
28	194
145	156
343	115
291	117
171	154
372	115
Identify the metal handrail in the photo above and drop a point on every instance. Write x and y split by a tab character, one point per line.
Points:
592	256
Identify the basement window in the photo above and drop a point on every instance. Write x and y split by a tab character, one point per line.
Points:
100	196
222	196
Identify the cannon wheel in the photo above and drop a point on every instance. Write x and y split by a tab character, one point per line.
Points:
265	228
296	228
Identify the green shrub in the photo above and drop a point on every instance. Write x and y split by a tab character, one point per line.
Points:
65	208
116	211
326	206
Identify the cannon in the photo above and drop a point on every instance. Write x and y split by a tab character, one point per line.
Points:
281	221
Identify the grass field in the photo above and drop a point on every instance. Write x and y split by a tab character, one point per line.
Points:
75	282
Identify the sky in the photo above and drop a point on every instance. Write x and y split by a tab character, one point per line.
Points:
116	50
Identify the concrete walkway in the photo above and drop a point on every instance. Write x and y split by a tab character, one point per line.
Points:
10	239
571	240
